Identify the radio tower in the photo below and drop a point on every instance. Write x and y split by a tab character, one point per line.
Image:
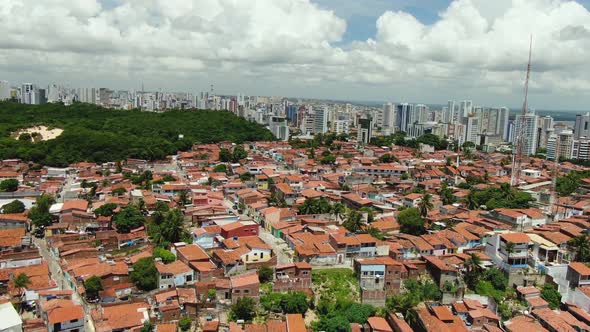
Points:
517	156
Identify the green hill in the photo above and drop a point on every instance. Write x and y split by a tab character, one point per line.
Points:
92	133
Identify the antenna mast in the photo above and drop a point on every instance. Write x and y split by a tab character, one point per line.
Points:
517	156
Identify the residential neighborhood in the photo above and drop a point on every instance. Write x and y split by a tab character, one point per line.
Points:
382	238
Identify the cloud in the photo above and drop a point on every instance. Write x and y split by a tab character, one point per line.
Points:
477	48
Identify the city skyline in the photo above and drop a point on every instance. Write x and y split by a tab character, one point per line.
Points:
429	51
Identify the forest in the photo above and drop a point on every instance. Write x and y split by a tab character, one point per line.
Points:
96	134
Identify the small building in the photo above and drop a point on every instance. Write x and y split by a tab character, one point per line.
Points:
11	321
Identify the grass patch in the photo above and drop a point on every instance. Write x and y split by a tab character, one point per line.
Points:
336	283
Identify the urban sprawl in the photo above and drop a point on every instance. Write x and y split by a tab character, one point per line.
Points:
404	217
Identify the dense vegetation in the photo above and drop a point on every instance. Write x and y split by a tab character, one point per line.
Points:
566	185
95	134
495	198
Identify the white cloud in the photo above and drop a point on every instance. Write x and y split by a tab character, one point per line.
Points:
477	49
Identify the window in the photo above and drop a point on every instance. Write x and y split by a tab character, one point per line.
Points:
246	291
305	273
74	321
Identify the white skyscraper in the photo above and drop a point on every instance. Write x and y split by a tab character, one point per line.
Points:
466	108
526	125
582	126
387	119
27	92
4	90
472	130
320	121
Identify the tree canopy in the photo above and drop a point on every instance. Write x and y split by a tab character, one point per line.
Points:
93	285
9	185
145	274
15	206
128	219
95	134
411	222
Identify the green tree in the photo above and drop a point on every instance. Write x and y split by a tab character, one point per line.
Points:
550	294
128	219
354	221
244	309
446	194
39	214
411	222
328	160
238	154
472	270
93	285
425	205
119	191
221	168
225	155
387	158
147	327
183	197
9	185
15	206
145	274
246	177
172	228
334	323
581	246
106	210
185	323
165	255
294	303
21	281
265	274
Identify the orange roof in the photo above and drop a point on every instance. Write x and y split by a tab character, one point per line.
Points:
580	268
75	204
378	324
295	323
174	268
244	280
65	314
193	253
515	237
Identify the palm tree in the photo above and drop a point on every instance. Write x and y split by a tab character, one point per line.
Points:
507	191
581	246
473	270
471	202
183	197
510	246
354	221
20	282
425	205
338	209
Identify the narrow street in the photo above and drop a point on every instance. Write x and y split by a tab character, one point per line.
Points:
58	276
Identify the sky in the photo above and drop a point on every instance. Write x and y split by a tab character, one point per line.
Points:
427	51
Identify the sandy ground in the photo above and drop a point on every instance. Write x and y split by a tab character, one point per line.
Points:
46	133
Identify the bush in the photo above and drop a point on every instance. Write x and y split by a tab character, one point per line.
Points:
15	206
185	323
9	185
145	274
265	274
165	255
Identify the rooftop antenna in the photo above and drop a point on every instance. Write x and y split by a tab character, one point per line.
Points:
517	156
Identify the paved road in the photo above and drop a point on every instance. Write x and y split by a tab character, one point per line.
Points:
58	276
280	247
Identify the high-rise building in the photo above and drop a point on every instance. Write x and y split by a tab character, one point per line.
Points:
27	92
320	121
365	131
387	119
472	130
582	126
4	90
404	113
466	108
526	125
562	146
581	149
545	130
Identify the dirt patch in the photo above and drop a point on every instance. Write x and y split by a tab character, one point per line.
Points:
38	133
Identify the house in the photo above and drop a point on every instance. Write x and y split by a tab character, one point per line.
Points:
379	277
509	250
174	274
62	315
355	201
578	275
285	192
398	324
11	321
378	324
292	277
239	228
295	323
352	245
441	272
121	317
412	200
189	253
244	285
